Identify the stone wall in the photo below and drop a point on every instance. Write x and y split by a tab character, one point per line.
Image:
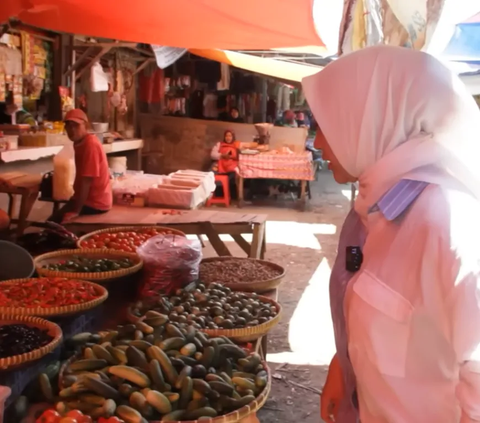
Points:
173	143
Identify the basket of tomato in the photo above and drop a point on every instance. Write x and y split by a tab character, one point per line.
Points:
124	238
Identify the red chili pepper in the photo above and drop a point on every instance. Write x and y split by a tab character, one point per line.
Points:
46	293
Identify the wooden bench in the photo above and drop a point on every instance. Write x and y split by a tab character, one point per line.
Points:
26	186
210	223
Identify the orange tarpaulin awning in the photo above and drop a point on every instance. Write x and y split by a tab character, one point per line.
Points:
203	24
271	67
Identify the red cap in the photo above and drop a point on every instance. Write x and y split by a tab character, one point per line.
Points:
76	115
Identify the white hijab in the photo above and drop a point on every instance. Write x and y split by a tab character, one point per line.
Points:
391	113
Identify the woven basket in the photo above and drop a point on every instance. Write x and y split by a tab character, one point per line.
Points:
55	311
54	330
251	333
257	286
129	229
98	253
233	417
242	335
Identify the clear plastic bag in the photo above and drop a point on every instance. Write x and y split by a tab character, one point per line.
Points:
64	173
98	78
170	262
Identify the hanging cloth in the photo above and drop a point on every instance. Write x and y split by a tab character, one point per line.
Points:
224	83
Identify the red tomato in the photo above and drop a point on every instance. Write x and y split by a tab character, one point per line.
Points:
49	416
76	414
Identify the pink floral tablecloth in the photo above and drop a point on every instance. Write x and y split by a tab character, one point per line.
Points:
297	166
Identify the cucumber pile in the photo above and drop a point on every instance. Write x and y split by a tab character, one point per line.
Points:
158	370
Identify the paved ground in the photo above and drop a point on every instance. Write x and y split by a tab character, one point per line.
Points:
301	346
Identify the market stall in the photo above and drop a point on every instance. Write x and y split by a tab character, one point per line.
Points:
276	165
186	348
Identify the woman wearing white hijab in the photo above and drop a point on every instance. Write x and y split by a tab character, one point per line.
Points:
407	323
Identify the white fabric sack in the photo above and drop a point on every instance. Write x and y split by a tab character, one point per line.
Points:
98	78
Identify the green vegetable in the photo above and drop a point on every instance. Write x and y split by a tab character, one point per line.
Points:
89	265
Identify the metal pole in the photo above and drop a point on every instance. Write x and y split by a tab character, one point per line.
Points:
263	105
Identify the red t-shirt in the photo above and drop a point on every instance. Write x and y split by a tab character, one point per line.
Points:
91	161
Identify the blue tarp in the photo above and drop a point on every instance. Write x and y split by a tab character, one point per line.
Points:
465	44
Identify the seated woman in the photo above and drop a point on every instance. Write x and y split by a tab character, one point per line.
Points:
225	157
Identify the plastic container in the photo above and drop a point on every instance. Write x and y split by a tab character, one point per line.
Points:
118	165
5	392
15	262
64	174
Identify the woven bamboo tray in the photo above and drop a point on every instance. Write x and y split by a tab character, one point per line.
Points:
98	253
233	417
54	330
242	335
257	286
55	311
164	230
242	413
251	333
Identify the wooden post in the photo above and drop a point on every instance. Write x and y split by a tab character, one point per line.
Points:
62	60
263	105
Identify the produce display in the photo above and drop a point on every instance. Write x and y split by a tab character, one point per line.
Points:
237	270
47	293
17	339
215	307
79	264
157	370
124	241
171	363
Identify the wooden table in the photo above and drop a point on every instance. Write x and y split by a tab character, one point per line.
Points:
27	187
295	167
211	223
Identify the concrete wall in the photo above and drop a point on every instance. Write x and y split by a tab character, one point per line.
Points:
173	143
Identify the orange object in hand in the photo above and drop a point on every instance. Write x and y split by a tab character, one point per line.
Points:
333	392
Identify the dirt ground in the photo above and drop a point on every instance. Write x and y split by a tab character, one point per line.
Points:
301	346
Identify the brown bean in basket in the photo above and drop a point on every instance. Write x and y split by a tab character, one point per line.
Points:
236	271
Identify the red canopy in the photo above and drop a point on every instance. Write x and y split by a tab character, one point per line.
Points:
204	24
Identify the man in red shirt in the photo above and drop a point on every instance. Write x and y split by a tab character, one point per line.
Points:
93	192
